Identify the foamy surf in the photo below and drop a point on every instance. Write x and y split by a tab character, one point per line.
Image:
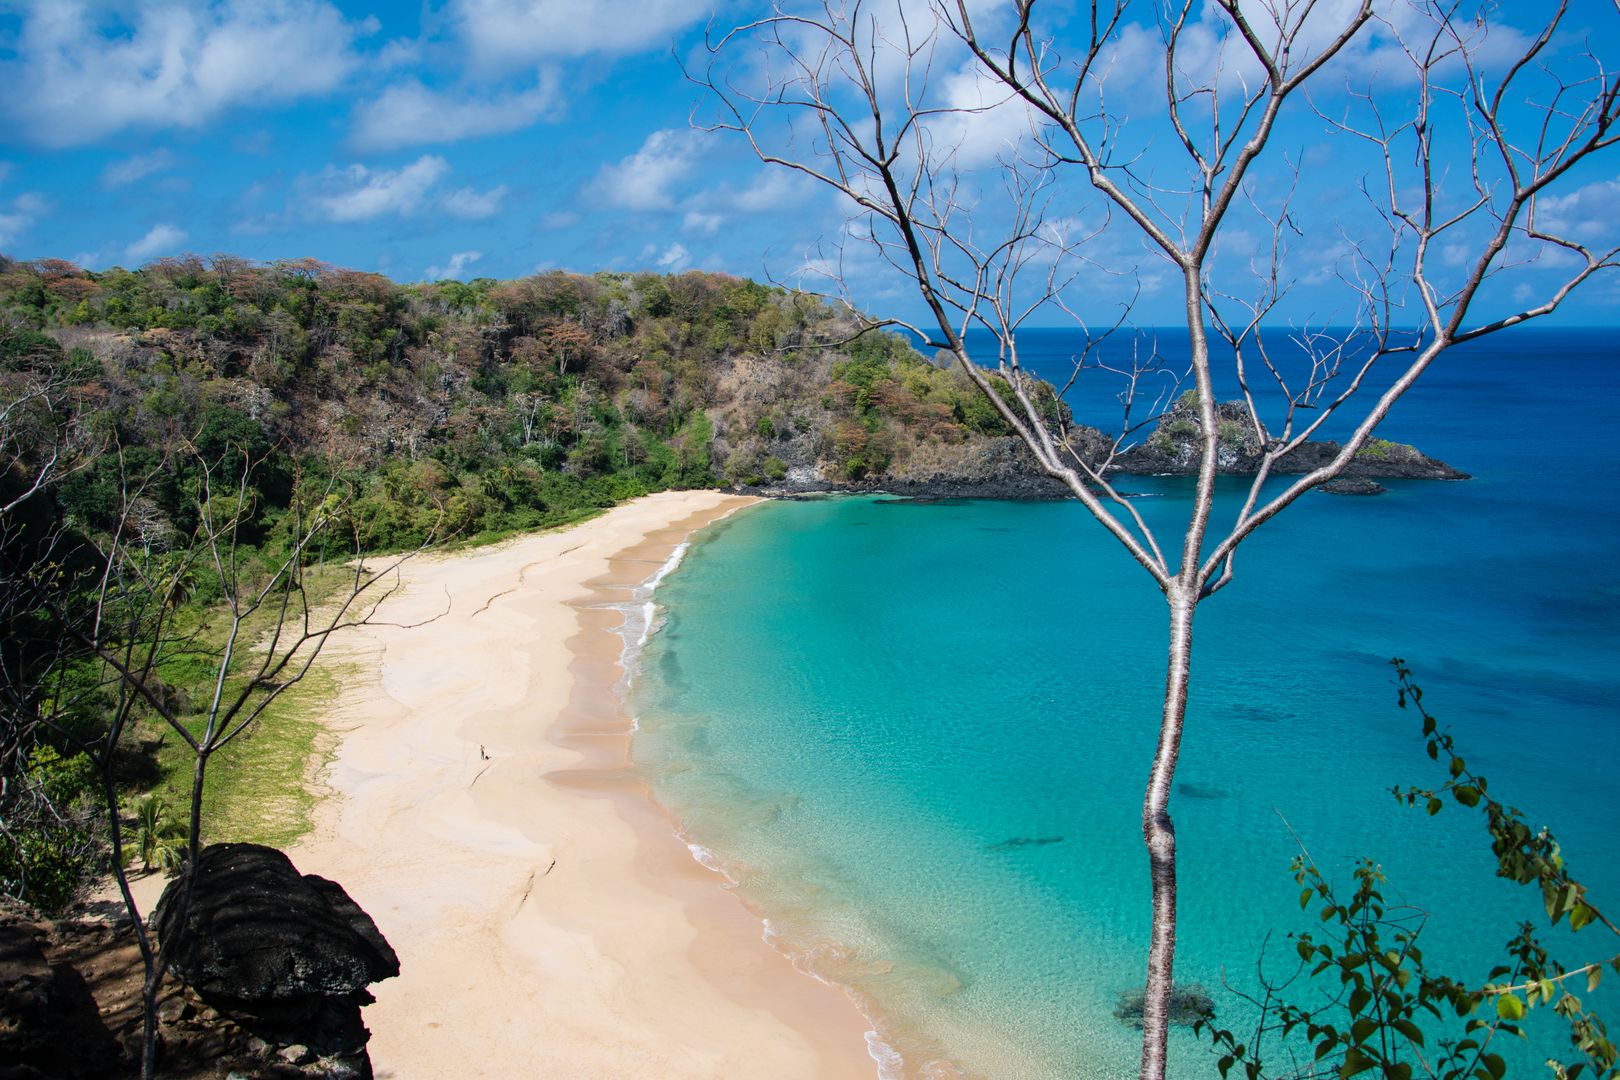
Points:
641	621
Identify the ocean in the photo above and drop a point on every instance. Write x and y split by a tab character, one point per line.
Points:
915	735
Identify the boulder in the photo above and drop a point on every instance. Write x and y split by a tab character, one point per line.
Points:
287	956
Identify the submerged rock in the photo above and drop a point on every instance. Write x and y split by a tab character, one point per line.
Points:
288	956
1015	842
1188	1005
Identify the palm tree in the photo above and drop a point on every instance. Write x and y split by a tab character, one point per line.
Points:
158	837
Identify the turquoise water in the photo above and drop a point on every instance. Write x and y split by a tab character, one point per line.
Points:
916	734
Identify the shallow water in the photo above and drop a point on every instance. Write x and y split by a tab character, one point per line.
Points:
916	734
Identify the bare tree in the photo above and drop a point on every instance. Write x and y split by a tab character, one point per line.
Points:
1464	133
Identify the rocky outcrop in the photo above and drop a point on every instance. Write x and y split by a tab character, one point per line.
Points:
1177	442
1003	468
287	956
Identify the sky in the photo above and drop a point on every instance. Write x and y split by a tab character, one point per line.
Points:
467	138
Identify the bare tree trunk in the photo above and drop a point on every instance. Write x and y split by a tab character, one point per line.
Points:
194	832
149	962
1159	833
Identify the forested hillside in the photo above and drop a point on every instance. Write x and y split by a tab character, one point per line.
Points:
478	407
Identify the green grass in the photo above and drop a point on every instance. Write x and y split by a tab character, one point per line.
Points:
259	787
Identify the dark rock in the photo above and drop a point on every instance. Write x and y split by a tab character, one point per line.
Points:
1188	1005
295	1054
175	1010
1353	485
287	956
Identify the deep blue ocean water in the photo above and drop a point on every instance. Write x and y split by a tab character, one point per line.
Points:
916	734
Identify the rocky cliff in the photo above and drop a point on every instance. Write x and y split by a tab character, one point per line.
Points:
1000	467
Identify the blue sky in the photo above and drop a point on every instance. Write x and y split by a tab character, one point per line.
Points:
458	138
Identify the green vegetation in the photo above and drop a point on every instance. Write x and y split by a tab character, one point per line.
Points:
484	407
1384	450
49	844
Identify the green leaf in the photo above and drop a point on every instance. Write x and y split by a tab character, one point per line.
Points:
1510	1007
1593	977
1579	916
1409	1029
1355	1062
1468	796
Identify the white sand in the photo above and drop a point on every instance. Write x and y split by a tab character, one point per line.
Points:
548	922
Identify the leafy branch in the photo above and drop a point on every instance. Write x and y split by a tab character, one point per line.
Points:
1383	1011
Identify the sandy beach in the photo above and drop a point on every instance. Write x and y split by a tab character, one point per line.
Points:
481	808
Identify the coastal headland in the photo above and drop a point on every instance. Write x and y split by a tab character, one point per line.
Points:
482	810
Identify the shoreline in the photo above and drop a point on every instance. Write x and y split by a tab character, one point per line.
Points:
485	813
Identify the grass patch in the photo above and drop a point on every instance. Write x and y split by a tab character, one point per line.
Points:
259	786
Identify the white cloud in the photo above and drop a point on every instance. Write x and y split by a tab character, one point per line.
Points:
360	194
454	267
409	114
773	191
161	240
643	180
17	217
508	33
468	203
674	259
983	121
696	221
560	219
170	65
1588	213
125	172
